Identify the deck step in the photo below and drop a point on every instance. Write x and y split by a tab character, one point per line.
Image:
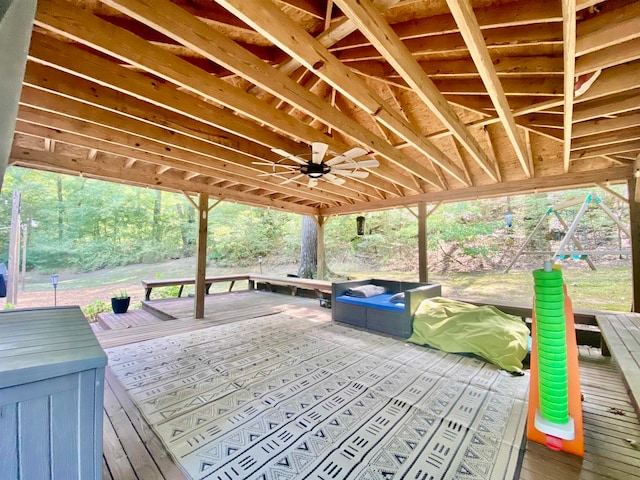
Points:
154	307
133	318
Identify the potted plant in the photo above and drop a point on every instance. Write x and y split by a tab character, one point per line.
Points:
120	302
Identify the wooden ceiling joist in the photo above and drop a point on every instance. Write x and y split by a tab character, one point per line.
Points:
454	102
182	27
113	171
276	26
371	23
470	30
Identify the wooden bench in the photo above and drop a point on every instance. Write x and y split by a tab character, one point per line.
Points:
149	285
621	334
321	288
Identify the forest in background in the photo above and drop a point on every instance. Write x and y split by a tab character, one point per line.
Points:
78	224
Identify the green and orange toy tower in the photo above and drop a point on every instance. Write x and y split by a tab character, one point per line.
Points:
555	409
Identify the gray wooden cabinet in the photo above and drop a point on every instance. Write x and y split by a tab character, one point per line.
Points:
51	395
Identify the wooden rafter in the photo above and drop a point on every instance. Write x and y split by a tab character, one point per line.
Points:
470	29
309	52
569	34
199	91
113	171
182	27
377	30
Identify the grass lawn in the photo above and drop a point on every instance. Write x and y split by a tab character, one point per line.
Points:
608	288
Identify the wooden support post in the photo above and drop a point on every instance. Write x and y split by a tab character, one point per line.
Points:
14	251
16	21
422	243
320	220
634	215
201	270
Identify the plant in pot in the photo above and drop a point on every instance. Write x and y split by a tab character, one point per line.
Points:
120	302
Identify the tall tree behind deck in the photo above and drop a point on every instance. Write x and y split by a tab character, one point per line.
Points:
308	248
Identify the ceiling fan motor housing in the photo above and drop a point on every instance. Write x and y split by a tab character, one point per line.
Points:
315	170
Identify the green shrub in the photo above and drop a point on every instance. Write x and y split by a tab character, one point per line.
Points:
92	310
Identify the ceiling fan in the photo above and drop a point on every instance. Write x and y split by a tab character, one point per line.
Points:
315	167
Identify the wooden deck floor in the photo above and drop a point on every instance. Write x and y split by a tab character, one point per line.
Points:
132	450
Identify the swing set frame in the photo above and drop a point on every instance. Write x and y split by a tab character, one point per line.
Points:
570	236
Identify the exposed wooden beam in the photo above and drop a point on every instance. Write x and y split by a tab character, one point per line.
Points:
499	39
608	106
492	152
468	24
623	147
490	18
45	78
76	61
527	140
610	138
569	35
608	57
377	30
611	191
289	36
612	81
547	183
184	28
144	146
609	28
605	125
112	171
90	30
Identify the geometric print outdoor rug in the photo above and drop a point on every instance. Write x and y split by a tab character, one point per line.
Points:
280	397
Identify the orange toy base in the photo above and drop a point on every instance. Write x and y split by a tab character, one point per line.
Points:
575	446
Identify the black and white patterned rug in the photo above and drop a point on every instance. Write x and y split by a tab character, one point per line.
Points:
279	397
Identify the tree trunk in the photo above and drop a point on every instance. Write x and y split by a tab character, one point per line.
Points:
157	211
185	218
308	248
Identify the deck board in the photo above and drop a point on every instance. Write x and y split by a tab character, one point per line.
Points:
132	450
132	318
621	333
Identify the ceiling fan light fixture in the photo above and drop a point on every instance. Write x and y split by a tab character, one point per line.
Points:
315	170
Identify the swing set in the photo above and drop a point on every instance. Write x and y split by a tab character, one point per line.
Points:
579	253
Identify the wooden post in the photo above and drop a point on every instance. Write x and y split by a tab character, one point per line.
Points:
201	269
14	251
634	220
422	243
16	21
320	220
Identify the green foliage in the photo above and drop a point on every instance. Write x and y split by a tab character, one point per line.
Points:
9	306
85	225
92	310
120	295
167	292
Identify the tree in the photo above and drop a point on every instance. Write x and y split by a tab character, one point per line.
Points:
308	248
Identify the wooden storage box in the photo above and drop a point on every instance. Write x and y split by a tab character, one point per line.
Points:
51	395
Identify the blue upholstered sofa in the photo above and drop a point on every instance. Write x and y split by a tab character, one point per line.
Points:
377	312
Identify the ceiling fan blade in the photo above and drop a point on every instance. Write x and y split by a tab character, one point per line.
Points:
318	151
350	173
333	179
348	155
313	182
371	163
284	154
289	180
